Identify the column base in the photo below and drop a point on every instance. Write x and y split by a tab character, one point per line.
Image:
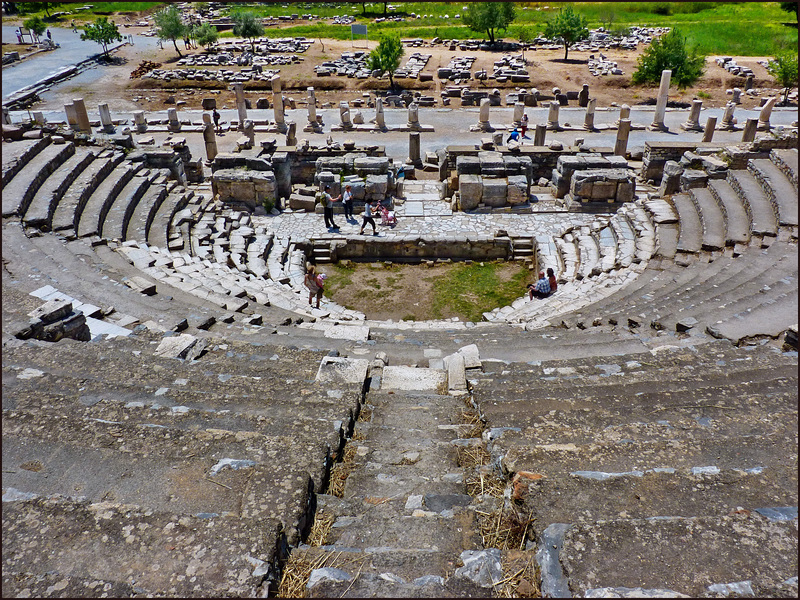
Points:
657	127
691	126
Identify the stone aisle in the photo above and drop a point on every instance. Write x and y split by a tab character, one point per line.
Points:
404	526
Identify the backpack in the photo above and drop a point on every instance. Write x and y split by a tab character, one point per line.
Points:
322	199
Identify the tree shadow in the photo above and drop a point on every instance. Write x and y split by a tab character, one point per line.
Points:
112	61
570	61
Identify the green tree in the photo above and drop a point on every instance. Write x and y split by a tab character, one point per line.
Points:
103	32
35	24
386	57
525	36
170	26
206	35
669	52
567	26
488	17
784	69
30	7
247	25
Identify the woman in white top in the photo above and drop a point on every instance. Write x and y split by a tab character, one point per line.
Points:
367	218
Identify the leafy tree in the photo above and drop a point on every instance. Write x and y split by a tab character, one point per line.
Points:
35	24
488	17
30	7
206	35
784	69
103	32
789	7
525	36
169	25
386	57
669	52
567	26
247	25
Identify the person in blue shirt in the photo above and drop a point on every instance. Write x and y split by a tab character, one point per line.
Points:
541	289
514	137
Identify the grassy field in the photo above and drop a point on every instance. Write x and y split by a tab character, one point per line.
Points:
738	28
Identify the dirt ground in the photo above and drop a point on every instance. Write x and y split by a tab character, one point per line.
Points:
407	291
546	66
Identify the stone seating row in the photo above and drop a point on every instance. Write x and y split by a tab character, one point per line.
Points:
618	454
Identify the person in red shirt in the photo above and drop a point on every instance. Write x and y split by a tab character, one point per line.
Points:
552	279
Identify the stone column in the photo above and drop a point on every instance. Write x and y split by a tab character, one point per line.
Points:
708	132
749	133
693	121
749	82
766	111
588	120
276	84
174	124
241	106
414	154
344	115
727	117
661	103
72	116
6	116
583	96
140	121
552	117
82	115
209	137
737	92
280	117
380	122
250	131
621	145
624	113
519	110
413	117
483	116
312	109
105	118
539	134
291	134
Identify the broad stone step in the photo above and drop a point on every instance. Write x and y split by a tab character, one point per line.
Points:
145	210
744	452
38	585
600	496
626	238
607	242
19	154
595	556
737	221
690	238
778	189
112	224
89	219
19	192
711	217
158	231
762	213
786	160
49	195
131	540
74	199
589	255
770	319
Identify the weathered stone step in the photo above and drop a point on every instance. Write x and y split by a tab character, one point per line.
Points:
138	222
690	238
778	188
595	556
742	452
711	217
158	231
112	224
589	255
770	319
39	585
762	214
89	219
599	496
122	543
47	198
65	216
737	221
19	154
18	193
786	161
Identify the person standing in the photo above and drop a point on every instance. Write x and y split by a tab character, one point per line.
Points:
327	208
215	114
315	284
367	218
19	36
49	35
524	123
347	202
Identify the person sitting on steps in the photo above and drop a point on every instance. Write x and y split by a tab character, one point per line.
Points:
551	279
541	289
315	284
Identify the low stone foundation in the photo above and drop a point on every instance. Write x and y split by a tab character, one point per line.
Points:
414	249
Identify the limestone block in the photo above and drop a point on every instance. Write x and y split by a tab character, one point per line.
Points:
626	191
471	190
495	192
583	183
604	190
517	189
468	165
371	165
376	185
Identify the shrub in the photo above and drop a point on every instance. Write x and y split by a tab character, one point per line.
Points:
784	69
669	52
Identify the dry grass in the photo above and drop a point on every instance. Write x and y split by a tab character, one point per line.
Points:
480	483
341	471
365	415
320	529
472	456
524	579
504	529
298	568
472	418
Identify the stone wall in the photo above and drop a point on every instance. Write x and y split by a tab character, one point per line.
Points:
567	165
656	154
416	249
603	185
244	189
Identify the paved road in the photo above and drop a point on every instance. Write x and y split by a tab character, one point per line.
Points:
72	51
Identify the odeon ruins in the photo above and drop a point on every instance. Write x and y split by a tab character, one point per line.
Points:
178	421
